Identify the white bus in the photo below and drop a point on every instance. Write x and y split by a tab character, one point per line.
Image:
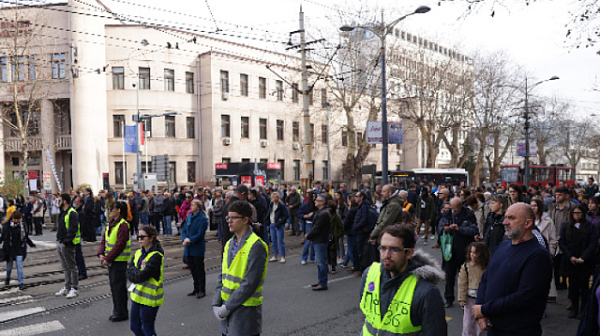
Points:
441	175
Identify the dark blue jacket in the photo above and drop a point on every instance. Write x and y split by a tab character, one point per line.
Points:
361	218
27	207
281	215
194	228
467	229
304	210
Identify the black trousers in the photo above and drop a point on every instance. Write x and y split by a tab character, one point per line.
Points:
155	219
451	269
81	269
117	277
29	225
37	221
198	273
556	263
579	287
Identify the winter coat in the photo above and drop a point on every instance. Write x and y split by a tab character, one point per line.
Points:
547	230
194	228
321	227
281	215
494	231
429	207
468	278
217	210
152	268
390	213
293	201
361	218
14	240
337	230
465	235
427	307
349	220
580	245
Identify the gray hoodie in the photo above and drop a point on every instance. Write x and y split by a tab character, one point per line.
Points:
427	305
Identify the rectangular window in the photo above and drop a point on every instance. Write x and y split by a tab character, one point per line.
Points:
34	121
118	76
225	126
189	82
280	130
263	128
262	87
245	127
169	80
19	70
344	138
244	85
118	172
312	133
147	127
324	133
172	172
295	131
295	98
146	166
279	88
226	160
4	69
118	125
282	170
310	98
32	67
263	161
224	81
296	169
191	171
323	97
190	127
169	126
144	78
246	160
325	170
58	66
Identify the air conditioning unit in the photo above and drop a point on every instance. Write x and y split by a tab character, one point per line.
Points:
264	143
296	145
225	95
226	141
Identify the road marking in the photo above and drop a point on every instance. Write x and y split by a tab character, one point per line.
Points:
34	329
18	313
9	291
43	244
16	298
335	280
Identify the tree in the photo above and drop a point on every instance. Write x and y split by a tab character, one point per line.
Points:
547	114
576	137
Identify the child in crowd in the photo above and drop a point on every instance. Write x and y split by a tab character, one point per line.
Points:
478	256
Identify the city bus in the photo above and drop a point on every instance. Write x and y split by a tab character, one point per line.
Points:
450	176
538	175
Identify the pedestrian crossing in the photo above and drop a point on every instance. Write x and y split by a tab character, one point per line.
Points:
34	329
13	295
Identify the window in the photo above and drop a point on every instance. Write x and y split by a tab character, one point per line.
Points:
296	131
119	172
147	127
169	126
58	65
263	128
296	169
226	160
325	170
190	127
282	170
279	88
323	97
324	133
280	130
4	69
262	87
312	133
146	166
32	67
191	171
344	138
224	81
263	161
245	127
189	82
118	75
295	98
172	172
118	125
34	121
246	160
15	161
225	130
169	80
19	70
244	85
144	78
310	98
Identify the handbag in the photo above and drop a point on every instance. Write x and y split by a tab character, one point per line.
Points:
446	241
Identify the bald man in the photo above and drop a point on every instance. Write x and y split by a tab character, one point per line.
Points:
512	294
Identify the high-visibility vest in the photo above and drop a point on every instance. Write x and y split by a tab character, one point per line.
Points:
407	206
150	292
233	275
397	318
111	240
77	239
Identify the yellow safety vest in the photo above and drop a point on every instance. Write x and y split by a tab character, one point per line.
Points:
397	318
150	292
111	240
233	275
77	239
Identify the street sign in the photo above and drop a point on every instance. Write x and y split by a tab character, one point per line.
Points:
160	166
274	165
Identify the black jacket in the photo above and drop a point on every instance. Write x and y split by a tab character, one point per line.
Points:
281	215
15	240
580	245
493	231
320	229
62	235
349	220
467	230
151	269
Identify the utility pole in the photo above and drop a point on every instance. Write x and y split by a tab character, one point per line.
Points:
306	176
526	175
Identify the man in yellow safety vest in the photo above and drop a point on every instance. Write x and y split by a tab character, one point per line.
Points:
237	302
399	296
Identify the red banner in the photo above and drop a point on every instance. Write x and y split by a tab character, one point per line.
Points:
246	180
259	180
273	165
222	165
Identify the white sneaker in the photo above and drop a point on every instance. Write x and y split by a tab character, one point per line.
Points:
303	262
72	293
272	259
62	291
282	260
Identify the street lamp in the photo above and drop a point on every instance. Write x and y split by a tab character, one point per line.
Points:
526	176
382	31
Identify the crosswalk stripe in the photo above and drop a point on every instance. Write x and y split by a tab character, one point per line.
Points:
18	313
9	291
16	298
336	280
34	329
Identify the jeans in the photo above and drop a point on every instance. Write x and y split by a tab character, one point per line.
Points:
277	234
81	269
9	265
142	319
155	219
67	259
308	244
144	218
349	256
167	229
321	254
357	246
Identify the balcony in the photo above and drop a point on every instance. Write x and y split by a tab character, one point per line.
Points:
13	144
62	142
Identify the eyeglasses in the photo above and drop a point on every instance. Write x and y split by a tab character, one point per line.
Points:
188	197
142	237
231	218
391	249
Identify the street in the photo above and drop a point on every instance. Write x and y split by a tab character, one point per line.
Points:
290	307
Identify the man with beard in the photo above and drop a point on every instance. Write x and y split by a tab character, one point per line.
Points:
513	290
81	268
399	296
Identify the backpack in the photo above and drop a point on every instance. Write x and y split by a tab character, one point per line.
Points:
372	219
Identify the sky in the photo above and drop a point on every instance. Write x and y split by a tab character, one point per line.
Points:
532	35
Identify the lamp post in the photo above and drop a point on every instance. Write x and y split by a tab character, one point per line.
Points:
527	126
381	31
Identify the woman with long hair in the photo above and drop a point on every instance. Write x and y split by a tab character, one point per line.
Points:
578	241
277	216
544	224
192	236
478	257
15	240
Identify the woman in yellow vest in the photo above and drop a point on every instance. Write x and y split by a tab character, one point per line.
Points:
146	273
